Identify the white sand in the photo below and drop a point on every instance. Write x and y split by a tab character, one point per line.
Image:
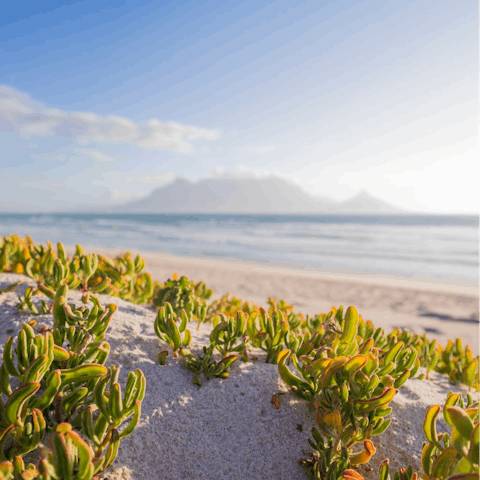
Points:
229	429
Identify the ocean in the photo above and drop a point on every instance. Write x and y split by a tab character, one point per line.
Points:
444	247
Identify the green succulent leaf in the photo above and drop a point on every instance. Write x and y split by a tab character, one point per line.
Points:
350	325
82	373
429	424
441	465
461	421
17	399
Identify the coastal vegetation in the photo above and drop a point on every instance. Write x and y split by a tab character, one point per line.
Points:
55	386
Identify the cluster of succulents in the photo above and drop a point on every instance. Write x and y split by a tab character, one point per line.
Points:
52	390
229	305
168	330
346	369
182	294
122	277
54	385
458	362
458	457
171	328
205	363
445	456
350	382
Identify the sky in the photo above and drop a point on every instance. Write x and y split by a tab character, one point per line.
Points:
104	102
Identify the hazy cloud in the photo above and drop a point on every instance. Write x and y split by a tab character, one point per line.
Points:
60	157
42	192
36	181
162	178
26	118
239	172
101	157
215	173
259	149
28	145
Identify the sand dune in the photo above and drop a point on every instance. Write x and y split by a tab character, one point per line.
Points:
226	429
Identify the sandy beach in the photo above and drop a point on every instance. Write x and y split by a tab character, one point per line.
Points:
443	309
228	428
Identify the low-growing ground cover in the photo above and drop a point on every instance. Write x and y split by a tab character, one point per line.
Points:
55	383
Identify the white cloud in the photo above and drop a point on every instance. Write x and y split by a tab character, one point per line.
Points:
20	115
260	149
60	157
215	173
101	157
239	172
162	178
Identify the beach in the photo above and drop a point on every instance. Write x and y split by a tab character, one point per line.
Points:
442	309
229	428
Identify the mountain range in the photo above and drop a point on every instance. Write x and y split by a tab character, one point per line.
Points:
267	195
255	195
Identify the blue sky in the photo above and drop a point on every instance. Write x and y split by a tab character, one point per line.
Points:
102	102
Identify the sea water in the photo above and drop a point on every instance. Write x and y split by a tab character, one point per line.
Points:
408	245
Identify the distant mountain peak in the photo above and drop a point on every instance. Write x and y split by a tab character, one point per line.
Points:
364	202
184	180
253	195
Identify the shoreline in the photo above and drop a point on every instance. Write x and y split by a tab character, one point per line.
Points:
438	309
468	287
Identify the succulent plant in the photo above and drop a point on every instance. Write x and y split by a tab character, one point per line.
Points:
326	462
180	295
58	382
207	365
122	276
350	384
17	469
323	463
229	306
455	454
14	253
295	320
268	332
26	303
113	409
70	457
168	331
445	456
201	291
25	417
459	363
227	331
384	473
302	344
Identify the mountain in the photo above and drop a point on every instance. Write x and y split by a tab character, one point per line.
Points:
228	195
246	195
364	203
